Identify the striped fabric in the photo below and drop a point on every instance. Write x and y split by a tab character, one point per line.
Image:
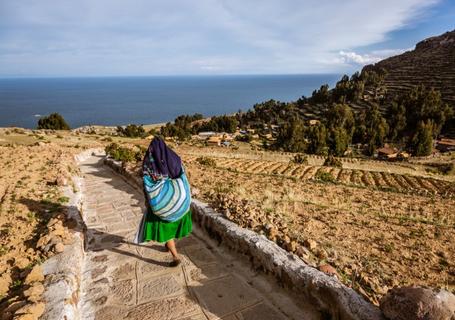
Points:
168	198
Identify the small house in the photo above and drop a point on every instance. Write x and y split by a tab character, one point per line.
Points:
445	145
387	153
207	134
214	141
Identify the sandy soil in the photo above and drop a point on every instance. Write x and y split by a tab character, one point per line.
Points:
375	239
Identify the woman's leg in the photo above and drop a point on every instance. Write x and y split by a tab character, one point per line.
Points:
171	247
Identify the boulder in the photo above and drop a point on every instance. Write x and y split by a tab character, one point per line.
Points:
5	282
35	291
418	303
30	312
36	275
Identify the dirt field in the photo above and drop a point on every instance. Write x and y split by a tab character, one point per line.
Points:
378	229
378	224
32	168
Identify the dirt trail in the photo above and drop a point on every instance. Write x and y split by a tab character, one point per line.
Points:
126	281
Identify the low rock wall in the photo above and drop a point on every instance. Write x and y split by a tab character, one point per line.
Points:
326	293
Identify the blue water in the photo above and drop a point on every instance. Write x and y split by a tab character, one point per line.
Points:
144	100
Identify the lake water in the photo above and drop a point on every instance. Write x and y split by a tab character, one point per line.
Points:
144	100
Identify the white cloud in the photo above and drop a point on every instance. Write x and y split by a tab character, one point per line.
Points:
350	57
113	37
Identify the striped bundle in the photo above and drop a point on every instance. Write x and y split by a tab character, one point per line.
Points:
168	198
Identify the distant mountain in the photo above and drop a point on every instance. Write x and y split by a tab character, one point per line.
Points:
431	63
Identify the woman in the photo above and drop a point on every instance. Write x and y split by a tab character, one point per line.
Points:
168	198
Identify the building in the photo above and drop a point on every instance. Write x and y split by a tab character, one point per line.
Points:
214	141
207	134
387	153
445	145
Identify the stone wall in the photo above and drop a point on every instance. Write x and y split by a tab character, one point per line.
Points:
63	271
326	293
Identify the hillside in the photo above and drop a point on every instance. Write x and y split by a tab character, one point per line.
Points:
431	63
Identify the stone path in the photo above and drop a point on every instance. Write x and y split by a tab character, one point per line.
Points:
122	280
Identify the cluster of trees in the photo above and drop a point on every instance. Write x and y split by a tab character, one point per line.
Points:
182	128
186	125
131	131
53	121
412	120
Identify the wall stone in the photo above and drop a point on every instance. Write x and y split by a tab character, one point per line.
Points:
326	293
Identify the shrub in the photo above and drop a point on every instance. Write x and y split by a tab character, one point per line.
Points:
124	154
206	161
244	138
441	168
331	161
300	159
131	131
54	121
324	176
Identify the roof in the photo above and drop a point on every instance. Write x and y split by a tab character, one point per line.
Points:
214	139
387	150
446	142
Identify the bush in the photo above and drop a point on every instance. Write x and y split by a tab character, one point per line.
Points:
324	176
331	161
54	121
131	131
244	138
124	154
300	159
441	168
206	161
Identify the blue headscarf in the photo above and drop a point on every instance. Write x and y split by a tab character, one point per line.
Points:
160	161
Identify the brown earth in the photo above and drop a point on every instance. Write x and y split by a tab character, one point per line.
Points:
33	226
378	224
376	238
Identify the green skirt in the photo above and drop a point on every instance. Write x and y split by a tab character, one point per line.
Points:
158	230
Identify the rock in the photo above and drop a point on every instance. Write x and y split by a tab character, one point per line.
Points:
35	275
30	312
34	292
195	192
61	181
310	244
5	282
58	229
12	308
418	303
321	253
21	262
328	269
43	241
59	247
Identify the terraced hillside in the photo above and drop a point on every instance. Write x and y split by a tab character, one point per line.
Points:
363	178
431	63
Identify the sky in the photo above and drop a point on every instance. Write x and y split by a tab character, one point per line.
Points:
51	38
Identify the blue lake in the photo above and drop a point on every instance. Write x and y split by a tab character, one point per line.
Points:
144	100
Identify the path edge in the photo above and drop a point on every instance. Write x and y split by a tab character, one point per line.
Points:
63	271
324	292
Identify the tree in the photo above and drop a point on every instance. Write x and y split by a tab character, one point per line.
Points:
54	121
291	136
425	105
376	129
396	120
338	141
317	139
421	143
322	95
340	116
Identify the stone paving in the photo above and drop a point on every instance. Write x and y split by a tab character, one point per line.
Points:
122	280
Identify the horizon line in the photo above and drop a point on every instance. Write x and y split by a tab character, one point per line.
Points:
167	75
